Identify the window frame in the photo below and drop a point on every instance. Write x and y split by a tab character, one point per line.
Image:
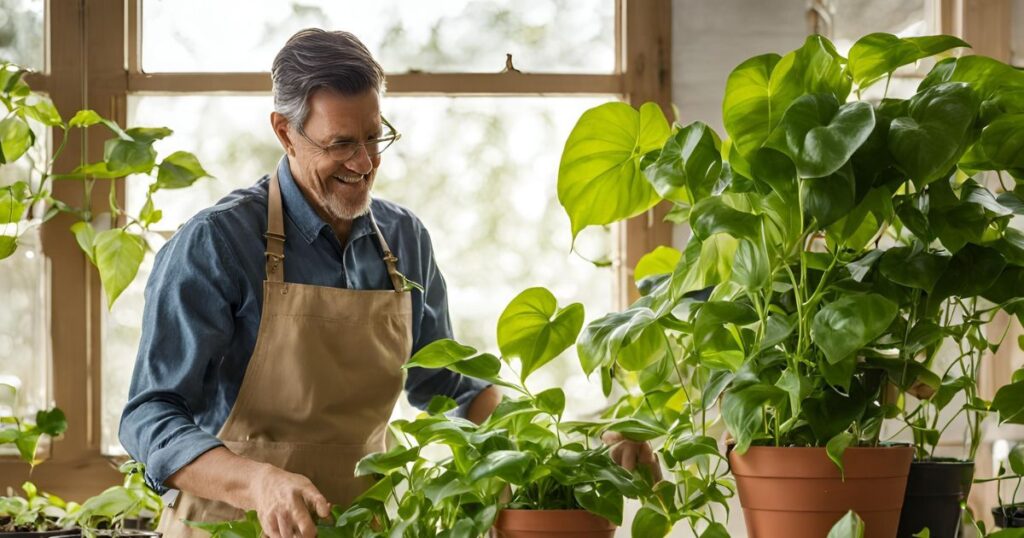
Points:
93	60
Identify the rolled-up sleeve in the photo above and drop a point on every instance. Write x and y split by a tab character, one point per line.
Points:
187	323
423	384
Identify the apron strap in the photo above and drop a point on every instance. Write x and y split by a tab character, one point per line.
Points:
397	281
275	232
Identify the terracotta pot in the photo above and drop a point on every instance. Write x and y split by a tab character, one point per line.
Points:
551	524
798	492
934	492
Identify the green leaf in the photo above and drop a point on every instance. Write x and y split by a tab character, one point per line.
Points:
125	157
741	410
1009	403
599	178
533	328
440	405
440	353
637	429
631	338
850	526
1002	142
815	67
483	366
971	272
876	55
1016	459
118	257
850	323
836	447
8	244
248	527
913	267
52	422
819	135
85	118
41	109
650	522
928	142
660	261
987	76
551	401
15	139
712	216
11	206
747	111
601	499
688	166
179	170
750	267
715	530
385	462
686	448
831	198
509	465
85	235
149	134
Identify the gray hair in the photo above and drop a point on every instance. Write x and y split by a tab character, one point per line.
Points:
315	58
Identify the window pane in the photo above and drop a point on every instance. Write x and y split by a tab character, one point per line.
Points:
402	34
21	32
853	19
480	172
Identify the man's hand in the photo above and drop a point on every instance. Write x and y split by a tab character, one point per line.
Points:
632	454
283	502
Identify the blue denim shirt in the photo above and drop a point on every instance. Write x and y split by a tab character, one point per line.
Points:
202	313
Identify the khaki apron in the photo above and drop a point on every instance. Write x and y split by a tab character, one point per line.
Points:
321	384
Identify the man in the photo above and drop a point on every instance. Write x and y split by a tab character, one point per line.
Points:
276	322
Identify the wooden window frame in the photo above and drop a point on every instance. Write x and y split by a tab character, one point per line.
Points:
93	60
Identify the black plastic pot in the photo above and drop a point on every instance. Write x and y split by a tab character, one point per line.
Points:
61	533
935	490
1009	516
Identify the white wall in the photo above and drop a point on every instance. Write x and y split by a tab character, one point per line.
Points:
710	38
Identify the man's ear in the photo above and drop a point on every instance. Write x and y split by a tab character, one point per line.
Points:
280	125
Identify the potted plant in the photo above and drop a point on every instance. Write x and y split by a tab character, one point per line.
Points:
115	244
525	470
828	232
35	515
131	509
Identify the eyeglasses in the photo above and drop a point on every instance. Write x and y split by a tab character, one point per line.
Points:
343	151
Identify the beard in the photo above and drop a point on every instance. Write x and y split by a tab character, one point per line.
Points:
349	205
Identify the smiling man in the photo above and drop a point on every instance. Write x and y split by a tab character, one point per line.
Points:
277	322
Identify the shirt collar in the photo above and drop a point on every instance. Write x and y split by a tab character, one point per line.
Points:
303	215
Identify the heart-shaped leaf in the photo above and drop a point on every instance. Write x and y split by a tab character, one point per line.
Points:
876	55
118	257
747	110
689	165
819	135
850	323
929	141
599	178
535	330
440	353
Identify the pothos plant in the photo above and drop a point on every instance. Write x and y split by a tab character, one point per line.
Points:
118	509
836	241
525	456
34	512
113	241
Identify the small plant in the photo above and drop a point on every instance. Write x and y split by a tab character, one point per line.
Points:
35	512
25	435
119	509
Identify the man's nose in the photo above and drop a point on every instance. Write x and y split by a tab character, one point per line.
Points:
360	163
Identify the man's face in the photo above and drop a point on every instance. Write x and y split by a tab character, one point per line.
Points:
339	190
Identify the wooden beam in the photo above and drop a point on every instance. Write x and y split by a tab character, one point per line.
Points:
647	60
404	83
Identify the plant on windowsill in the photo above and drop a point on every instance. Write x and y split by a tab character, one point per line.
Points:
131	509
837	243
